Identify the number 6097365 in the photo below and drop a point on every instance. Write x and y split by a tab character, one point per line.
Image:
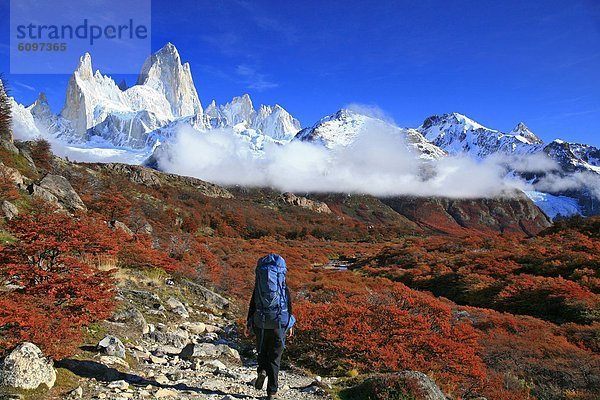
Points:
42	46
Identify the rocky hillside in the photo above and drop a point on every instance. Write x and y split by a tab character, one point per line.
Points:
154	346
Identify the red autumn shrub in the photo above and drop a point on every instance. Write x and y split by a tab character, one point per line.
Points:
391	329
53	292
8	190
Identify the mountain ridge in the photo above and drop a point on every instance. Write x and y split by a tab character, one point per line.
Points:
98	112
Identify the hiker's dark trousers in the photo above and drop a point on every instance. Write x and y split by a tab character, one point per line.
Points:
269	355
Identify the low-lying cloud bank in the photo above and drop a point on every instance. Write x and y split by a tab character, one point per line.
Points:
379	163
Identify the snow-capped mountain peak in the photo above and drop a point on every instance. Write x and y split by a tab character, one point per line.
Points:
345	126
276	123
239	110
84	68
40	108
459	134
164	72
522	131
455	122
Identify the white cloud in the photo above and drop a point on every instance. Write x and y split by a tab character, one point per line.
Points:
574	181
370	110
378	163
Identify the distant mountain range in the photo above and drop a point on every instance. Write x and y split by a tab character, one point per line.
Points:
100	113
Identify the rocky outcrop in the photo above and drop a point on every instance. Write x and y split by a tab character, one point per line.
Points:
12	174
133	318
56	189
510	214
26	368
40	193
60	187
9	210
152	178
112	346
212	301
299	201
177	307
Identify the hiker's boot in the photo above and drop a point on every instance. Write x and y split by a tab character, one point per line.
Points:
260	380
272	396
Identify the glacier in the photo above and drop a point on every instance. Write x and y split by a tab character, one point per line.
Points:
554	206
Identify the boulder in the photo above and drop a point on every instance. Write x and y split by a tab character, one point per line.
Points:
426	388
10	210
178	338
112	346
208	350
60	187
38	192
133	317
177	307
195	328
120	225
112	361
213	301
26	368
121	385
12	174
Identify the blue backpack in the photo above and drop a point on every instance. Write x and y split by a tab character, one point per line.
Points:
270	296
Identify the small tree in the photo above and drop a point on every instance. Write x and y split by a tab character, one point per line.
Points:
56	292
41	154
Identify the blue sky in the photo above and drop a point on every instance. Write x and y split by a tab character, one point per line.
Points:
499	62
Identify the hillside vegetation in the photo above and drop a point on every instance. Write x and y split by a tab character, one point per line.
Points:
476	294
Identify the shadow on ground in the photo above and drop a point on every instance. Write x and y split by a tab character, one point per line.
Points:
100	372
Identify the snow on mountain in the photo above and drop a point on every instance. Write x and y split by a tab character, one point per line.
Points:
151	111
276	123
523	133
344	127
271	121
23	123
458	134
574	157
553	206
95	105
163	72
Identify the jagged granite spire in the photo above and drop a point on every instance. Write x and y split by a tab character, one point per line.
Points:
164	72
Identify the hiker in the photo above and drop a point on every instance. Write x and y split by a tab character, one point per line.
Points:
270	317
